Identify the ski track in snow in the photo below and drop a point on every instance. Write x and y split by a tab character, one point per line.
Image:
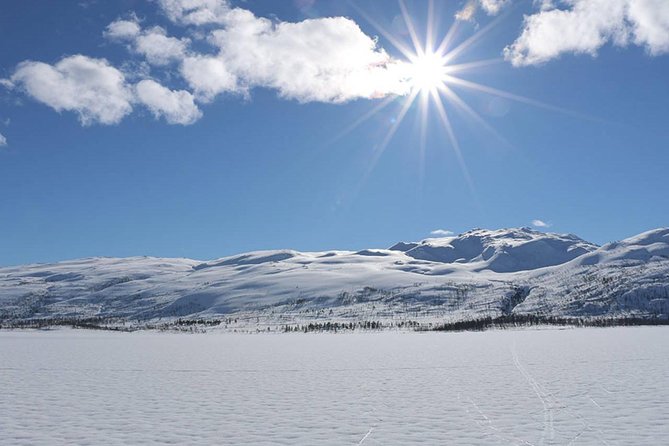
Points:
511	387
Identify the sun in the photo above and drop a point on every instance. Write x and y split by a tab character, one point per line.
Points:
427	72
433	74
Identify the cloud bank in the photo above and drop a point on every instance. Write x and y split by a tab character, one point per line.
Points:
224	50
324	60
316	60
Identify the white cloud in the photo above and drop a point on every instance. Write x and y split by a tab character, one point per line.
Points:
3	140
195	12
154	44
326	60
491	7
544	5
92	88
208	76
177	107
467	13
122	30
540	224
586	25
441	232
650	24
159	48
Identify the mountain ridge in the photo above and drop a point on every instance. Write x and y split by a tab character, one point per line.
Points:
477	273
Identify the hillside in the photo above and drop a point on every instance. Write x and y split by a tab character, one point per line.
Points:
475	274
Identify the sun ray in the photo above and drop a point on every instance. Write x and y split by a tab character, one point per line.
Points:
424	105
454	141
452	80
458	68
448	38
467	44
378	150
430	28
434	78
400	117
368	115
401	47
461	105
418	47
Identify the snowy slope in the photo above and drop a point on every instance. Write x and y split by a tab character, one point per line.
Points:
479	272
645	247
504	250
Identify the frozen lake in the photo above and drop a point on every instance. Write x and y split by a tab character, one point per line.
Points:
530	387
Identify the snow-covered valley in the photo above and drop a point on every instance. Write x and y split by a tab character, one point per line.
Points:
475	274
510	387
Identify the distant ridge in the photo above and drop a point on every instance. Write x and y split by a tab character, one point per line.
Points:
476	275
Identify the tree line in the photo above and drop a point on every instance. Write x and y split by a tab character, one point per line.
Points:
528	320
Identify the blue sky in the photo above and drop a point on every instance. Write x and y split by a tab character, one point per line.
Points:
198	139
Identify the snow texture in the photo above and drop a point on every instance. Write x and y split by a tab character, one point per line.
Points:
478	273
528	387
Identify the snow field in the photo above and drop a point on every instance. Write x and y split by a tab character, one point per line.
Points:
514	387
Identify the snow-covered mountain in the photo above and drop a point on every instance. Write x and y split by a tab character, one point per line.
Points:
479	272
502	251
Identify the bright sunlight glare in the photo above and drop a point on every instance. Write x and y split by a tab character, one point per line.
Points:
428	72
434	75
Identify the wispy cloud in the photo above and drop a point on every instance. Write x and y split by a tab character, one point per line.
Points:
491	7
3	140
540	224
441	232
468	11
584	26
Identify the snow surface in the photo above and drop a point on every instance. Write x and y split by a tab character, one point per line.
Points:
530	387
504	250
480	272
